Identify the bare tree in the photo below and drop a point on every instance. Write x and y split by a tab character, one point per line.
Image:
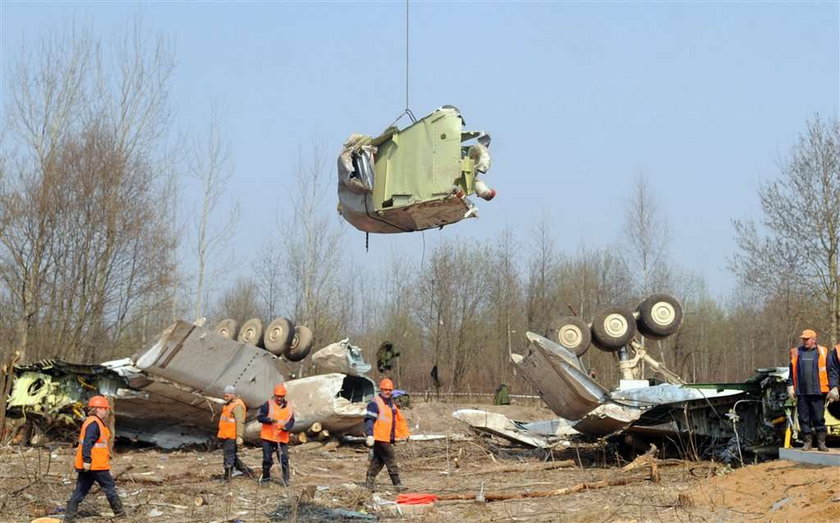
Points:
644	245
542	303
312	244
210	167
269	276
794	249
84	240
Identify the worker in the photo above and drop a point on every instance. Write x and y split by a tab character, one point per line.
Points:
385	357
93	460
808	384
502	396
384	426
834	375
231	433
277	417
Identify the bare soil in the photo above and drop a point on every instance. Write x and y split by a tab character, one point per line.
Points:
162	486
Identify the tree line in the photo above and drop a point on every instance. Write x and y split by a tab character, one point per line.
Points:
93	222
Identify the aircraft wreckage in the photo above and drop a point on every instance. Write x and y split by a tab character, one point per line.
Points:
169	394
722	420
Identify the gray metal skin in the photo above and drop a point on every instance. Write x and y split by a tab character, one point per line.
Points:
541	434
170	393
665	410
560	379
335	400
202	360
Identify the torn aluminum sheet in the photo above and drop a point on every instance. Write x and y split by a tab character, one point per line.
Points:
169	394
706	414
341	357
337	401
499	425
414	178
207	363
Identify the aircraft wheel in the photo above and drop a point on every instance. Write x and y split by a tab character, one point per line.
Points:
226	328
251	332
660	315
301	344
279	335
571	333
613	328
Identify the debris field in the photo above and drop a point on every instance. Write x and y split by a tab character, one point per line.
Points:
580	482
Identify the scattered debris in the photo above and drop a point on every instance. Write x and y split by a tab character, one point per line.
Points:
310	512
521	433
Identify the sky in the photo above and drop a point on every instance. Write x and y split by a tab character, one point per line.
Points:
704	99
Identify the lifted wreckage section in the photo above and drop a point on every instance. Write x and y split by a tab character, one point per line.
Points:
169	394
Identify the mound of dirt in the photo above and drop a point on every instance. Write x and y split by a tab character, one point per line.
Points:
777	490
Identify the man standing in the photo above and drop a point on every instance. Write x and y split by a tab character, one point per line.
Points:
277	417
93	460
808	384
834	375
385	357
384	425
231	432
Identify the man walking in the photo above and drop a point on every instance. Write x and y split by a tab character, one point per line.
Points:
93	460
231	433
277	417
384	425
808	384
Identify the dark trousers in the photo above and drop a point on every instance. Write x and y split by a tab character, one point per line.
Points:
382	454
231	457
269	448
85	481
810	409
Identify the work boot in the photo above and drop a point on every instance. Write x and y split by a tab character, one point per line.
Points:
71	511
265	477
285	476
227	475
821	442
398	486
369	482
809	442
117	507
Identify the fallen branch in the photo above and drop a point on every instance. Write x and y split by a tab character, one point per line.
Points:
500	496
548	465
140	478
646	460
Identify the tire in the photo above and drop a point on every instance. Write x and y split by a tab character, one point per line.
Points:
227	328
251	332
571	333
301	344
278	335
660	315
613	328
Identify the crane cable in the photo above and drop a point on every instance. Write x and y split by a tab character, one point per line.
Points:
407	110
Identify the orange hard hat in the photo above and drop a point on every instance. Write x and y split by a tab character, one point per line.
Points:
386	384
99	401
808	333
280	390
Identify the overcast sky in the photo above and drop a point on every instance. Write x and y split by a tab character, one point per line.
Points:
702	98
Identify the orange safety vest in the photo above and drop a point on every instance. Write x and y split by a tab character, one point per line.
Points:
281	416
822	366
100	454
382	425
227	423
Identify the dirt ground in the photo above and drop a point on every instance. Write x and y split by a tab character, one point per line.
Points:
163	486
